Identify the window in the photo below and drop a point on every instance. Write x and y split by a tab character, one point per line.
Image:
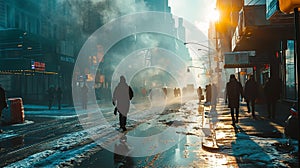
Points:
290	80
254	2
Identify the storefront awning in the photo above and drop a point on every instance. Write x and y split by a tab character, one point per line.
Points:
238	59
238	65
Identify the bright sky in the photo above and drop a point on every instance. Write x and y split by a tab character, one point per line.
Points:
197	12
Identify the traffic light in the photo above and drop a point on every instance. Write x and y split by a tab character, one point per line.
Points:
287	6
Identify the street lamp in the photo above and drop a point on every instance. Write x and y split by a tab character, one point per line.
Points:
214	18
209	55
188	68
202	45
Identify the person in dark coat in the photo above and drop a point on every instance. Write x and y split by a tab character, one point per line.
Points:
175	92
165	92
58	97
51	95
3	103
234	91
272	91
178	92
208	93
199	92
250	93
84	93
214	96
121	98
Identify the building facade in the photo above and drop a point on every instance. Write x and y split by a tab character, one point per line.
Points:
35	51
260	34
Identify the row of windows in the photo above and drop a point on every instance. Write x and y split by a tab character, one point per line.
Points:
13	17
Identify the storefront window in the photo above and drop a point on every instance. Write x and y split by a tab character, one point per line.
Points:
290	80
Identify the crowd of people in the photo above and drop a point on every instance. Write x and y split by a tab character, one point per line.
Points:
235	92
234	95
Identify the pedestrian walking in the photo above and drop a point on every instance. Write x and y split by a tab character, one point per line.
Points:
175	92
165	92
59	97
178	92
199	92
234	91
208	93
214	96
250	94
121	99
3	103
272	91
51	96
84	94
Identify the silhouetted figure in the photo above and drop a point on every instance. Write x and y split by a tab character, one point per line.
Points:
214	95
121	98
272	91
165	92
84	94
234	90
208	93
175	92
199	92
250	94
58	97
178	92
3	103
51	96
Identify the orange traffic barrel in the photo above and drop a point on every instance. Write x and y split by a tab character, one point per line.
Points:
15	111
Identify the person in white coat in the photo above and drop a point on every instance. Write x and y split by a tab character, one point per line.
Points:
121	99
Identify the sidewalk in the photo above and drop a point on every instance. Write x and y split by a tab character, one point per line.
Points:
257	141
261	126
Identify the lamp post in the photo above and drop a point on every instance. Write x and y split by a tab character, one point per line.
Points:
215	16
188	68
209	56
202	45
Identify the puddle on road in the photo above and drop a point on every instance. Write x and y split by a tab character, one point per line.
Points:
145	130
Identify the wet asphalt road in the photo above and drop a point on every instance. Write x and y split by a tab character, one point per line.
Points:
39	130
185	149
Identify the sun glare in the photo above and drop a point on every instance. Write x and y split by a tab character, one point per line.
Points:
214	15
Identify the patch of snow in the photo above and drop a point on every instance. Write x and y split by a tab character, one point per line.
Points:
5	135
31	160
65	149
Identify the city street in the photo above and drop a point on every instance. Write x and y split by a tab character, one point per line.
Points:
48	138
149	83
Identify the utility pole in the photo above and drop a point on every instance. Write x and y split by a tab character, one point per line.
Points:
217	70
297	34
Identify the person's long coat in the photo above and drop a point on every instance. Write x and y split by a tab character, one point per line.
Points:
122	96
234	90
